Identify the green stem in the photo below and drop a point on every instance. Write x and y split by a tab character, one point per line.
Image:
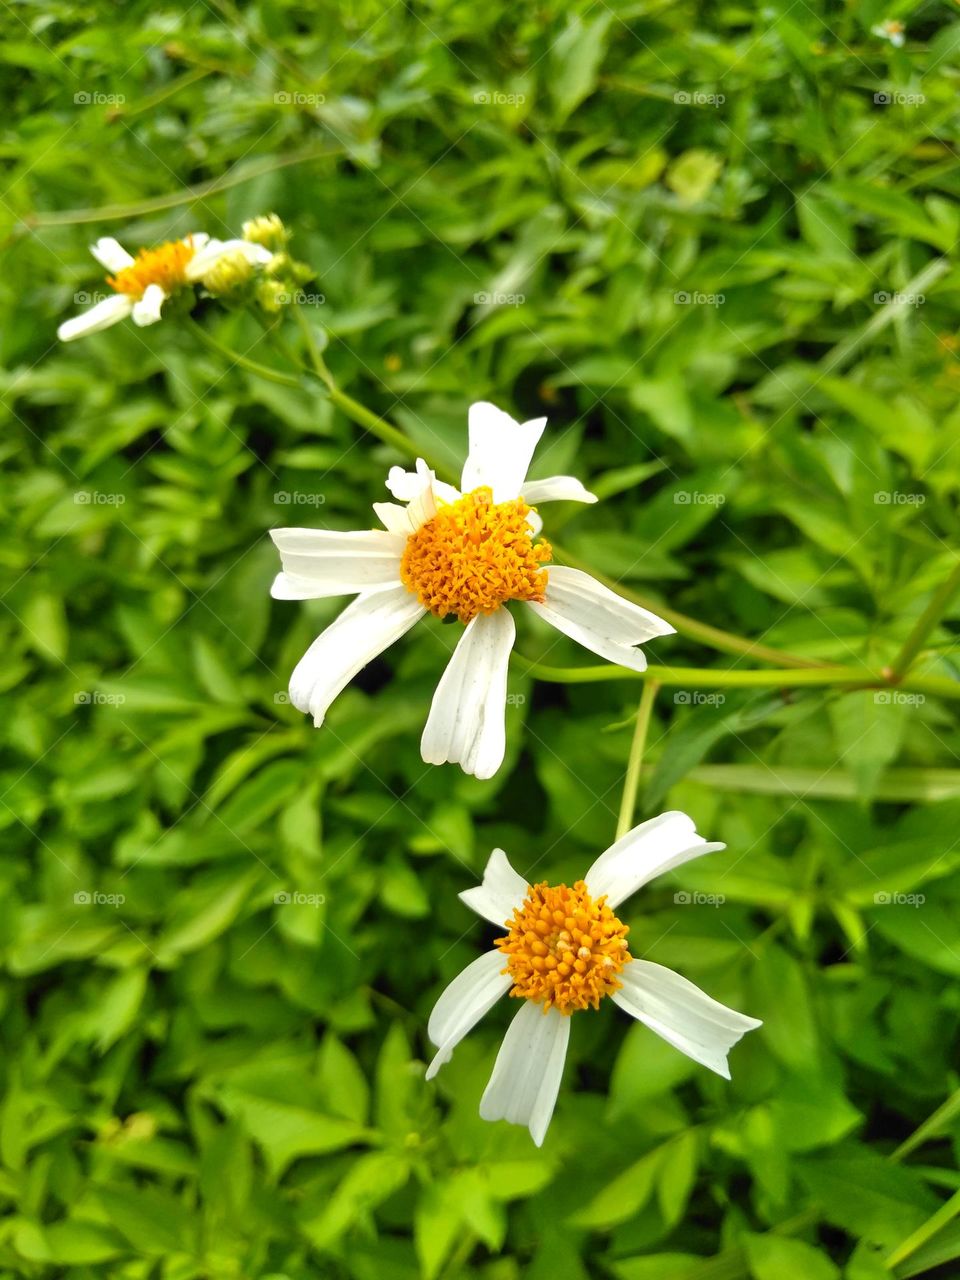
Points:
939	602
946	1213
253	366
631	781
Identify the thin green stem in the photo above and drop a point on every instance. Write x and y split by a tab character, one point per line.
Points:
946	1213
939	602
631	781
253	366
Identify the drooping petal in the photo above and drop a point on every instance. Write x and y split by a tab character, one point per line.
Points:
526	1075
325	562
408	486
645	852
471	994
208	255
147	309
500	451
365	628
394	517
596	617
105	313
682	1014
557	489
466	724
111	254
502	891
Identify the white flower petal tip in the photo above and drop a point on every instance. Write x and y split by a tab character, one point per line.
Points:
526	1075
373	622
649	850
597	618
501	451
106	313
557	489
463	1003
683	1015
210	252
326	562
111	254
467	720
502	891
146	310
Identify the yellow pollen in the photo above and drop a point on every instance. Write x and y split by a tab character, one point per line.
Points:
473	556
165	266
564	948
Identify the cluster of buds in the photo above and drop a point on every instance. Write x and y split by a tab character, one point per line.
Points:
279	281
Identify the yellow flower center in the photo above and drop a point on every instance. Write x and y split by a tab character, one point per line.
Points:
473	556
165	266
564	948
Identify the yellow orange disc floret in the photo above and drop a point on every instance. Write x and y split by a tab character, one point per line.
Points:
165	266
473	556
565	948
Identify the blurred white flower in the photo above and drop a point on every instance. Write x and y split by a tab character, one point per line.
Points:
564	951
891	30
142	284
455	553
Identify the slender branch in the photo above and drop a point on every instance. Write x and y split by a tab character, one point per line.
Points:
939	602
253	366
631	781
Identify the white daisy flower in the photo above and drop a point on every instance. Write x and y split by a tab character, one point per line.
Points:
891	30
462	553
142	284
564	951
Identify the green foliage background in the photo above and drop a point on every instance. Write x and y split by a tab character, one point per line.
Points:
501	201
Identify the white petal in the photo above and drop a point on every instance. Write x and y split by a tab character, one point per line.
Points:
557	489
101	316
526	1075
682	1014
500	451
469	996
596	617
408	486
466	725
394	517
111	254
326	562
209	254
147	310
365	628
647	851
502	891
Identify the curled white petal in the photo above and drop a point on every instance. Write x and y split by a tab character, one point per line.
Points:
209	254
412	487
111	254
596	617
526	1075
105	313
502	892
394	517
466	724
365	628
326	562
471	994
500	451
557	489
682	1014
147	309
647	851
